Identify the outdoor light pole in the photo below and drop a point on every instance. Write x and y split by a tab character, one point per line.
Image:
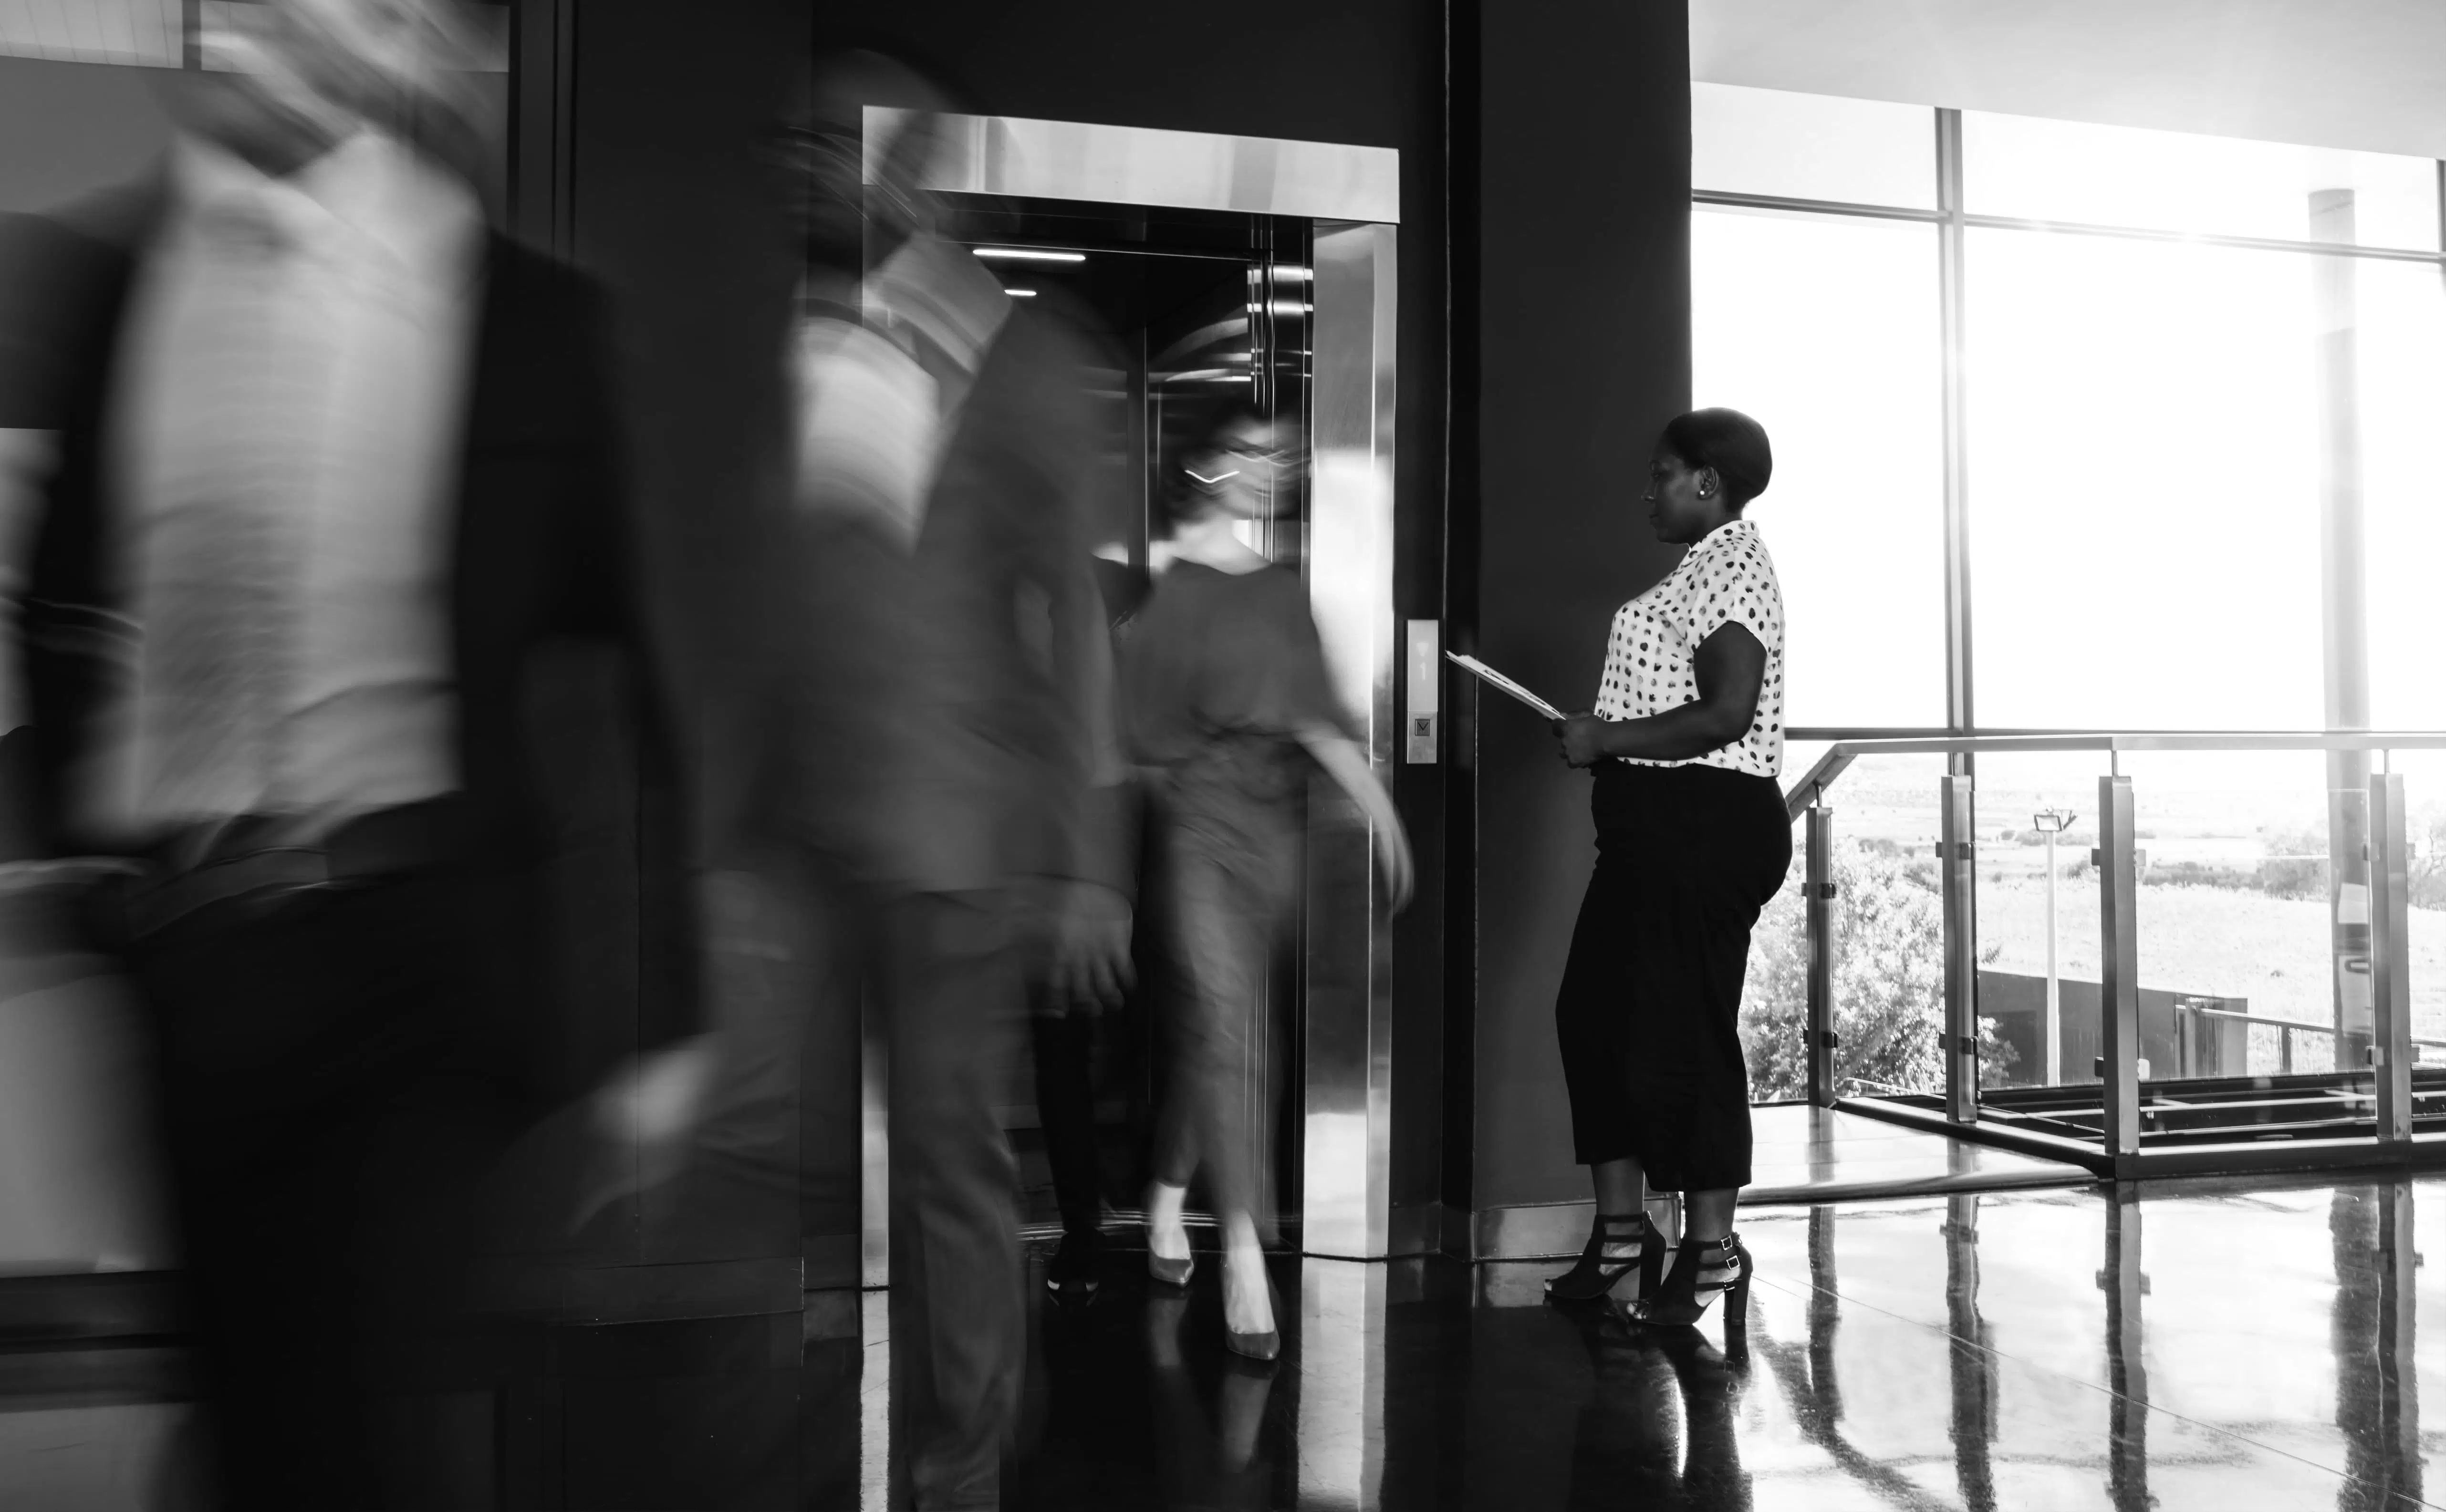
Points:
2051	824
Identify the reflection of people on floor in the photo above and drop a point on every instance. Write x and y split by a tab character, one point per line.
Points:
1229	706
944	700
1625	1452
1206	1462
333	465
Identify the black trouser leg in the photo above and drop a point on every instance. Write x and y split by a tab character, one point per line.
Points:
325	1135
1066	1107
959	1330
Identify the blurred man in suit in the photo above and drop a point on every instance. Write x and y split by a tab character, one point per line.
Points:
329	461
947	770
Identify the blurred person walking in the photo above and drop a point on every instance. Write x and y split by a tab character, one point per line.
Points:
1686	742
1066	1026
1227	705
330	461
947	777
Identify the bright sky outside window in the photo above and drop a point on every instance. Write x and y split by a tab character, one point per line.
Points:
2403	360
1825	330
2144	485
2142	455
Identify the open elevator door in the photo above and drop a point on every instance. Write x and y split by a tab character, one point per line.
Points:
1182	316
1212	266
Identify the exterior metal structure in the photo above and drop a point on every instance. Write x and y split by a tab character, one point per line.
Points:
1958	708
1958	886
1820	905
2390	873
2118	964
2343	617
1352	193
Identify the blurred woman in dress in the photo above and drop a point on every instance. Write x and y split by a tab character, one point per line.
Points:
1229	708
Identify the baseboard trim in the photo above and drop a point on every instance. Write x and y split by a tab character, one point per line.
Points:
1418	1228
1529	1231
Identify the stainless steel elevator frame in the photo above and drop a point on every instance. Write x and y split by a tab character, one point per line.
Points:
1353	194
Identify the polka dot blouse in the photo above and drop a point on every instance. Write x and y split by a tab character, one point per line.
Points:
1651	660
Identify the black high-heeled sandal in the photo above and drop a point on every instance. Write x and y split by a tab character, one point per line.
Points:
1598	1273
1703	1271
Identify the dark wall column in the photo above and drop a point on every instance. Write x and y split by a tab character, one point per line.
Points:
659	193
1582	336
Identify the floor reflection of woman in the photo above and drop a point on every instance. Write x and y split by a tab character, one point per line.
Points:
1626	1451
1229	707
1692	840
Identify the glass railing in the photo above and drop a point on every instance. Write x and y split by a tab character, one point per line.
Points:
1886	928
2121	947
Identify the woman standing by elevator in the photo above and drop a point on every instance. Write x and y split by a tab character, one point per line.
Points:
1686	742
1229	707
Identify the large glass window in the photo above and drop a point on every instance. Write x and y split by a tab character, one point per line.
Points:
2154	403
2114	387
1825	330
2143	484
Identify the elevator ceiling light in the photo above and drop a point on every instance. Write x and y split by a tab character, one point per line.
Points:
1293	275
1284	307
1021	294
1030	255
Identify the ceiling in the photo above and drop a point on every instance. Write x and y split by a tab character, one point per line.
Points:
2368	75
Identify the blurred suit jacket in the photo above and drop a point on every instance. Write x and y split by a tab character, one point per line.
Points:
541	555
951	724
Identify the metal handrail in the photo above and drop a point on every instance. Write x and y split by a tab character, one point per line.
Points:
1822	774
2296	1025
2391	1050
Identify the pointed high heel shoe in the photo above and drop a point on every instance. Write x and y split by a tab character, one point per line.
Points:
1703	1271
1164	1269
1264	1348
1619	1245
1172	1271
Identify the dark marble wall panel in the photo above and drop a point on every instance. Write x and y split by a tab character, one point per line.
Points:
1582	352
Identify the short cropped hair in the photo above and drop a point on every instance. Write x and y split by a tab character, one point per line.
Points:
1727	440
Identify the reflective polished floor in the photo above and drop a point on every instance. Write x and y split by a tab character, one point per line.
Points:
2226	1344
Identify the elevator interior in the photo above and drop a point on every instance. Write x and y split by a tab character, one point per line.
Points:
1210	269
1188	315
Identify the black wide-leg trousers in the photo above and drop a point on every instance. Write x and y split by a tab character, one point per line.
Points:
1648	1015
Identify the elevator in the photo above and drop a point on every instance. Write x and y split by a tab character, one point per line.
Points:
1206	273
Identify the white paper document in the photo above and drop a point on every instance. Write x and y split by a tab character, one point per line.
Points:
1501	684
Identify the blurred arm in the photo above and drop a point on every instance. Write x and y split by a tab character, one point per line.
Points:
1347	764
